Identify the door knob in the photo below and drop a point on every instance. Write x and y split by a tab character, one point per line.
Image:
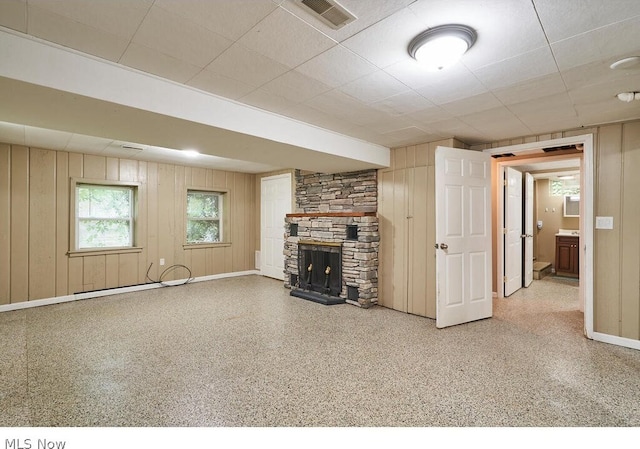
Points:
444	246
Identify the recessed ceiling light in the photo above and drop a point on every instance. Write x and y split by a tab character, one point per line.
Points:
441	46
626	63
190	153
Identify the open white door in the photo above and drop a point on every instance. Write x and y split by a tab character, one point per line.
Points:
513	231
528	229
463	236
275	199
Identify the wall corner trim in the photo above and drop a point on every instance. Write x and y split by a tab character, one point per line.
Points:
619	341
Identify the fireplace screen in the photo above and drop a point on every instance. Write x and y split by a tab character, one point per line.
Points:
320	268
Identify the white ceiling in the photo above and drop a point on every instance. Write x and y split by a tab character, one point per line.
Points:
538	66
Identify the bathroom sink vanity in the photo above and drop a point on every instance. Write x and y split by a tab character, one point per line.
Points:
568	253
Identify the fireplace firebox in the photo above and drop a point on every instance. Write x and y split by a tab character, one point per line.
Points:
319	272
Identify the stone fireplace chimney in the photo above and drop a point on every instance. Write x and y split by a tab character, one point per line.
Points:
332	241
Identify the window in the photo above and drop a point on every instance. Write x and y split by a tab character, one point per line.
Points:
562	187
204	216
104	215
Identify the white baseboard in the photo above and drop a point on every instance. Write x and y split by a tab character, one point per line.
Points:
618	341
116	291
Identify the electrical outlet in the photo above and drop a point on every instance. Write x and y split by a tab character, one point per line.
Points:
161	261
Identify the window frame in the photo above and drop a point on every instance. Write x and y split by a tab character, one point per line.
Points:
223	205
74	219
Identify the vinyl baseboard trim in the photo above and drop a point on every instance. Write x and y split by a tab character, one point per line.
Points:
618	341
117	291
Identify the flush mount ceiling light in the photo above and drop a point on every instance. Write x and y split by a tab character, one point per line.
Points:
441	46
626	63
628	97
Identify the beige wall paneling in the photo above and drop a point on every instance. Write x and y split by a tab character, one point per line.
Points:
42	218
142	221
95	167
94	272
198	261
630	229
112	271
608	241
228	250
5	223
180	224
113	168
385	218
417	181
128	170
400	228
19	223
127	269
239	222
62	223
166	216
152	222
75	265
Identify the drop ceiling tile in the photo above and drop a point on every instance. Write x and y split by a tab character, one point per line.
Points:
313	116
457	128
118	17
46	138
606	44
295	87
367	13
409	135
605	90
596	73
341	105
230	19
220	85
69	33
13	14
404	103
152	61
455	83
267	101
412	74
386	125
550	106
492	20
283	37
431	115
500	123
12	133
526	66
246	66
374	87
87	144
469	105
180	38
608	111
336	67
386	42
567	18
528	90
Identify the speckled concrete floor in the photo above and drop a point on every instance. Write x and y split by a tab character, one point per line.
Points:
242	352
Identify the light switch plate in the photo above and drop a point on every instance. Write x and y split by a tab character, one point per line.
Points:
604	222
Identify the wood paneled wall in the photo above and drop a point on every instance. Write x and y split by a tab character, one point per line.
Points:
617	250
406	202
34	223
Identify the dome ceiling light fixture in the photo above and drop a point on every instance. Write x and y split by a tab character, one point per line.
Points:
442	46
628	97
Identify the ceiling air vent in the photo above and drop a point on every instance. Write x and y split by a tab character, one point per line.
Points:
330	12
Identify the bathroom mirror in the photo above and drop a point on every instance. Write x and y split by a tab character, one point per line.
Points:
572	205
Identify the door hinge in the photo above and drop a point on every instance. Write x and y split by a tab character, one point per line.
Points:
504	231
504	279
504	182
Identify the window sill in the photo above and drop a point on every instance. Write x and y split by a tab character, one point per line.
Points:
205	245
104	251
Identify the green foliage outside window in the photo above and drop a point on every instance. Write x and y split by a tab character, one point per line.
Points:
562	187
105	216
203	217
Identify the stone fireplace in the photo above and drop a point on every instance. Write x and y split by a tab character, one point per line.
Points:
332	241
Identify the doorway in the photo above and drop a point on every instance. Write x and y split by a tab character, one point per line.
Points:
535	151
275	203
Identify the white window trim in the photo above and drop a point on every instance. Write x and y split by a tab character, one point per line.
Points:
74	251
224	219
